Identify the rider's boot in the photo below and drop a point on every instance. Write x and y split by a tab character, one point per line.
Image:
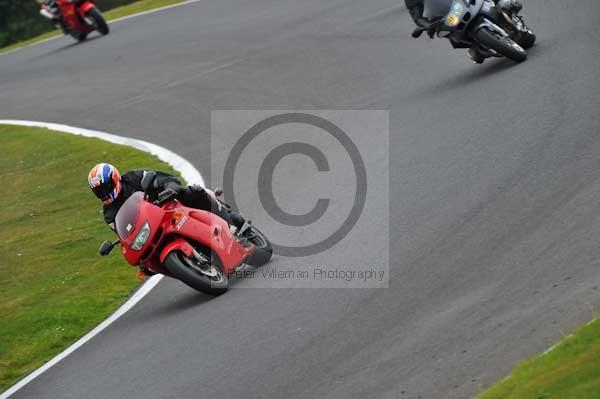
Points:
236	219
476	56
225	212
517	6
510	5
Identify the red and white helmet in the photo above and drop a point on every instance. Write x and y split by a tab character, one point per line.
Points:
105	181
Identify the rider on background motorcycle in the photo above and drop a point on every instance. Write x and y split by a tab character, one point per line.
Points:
113	189
50	10
416	8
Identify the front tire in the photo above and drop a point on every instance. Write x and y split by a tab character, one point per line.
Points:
99	21
502	45
79	36
186	270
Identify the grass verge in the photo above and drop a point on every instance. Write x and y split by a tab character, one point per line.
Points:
54	287
570	371
119	12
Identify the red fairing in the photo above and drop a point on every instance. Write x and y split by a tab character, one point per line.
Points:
154	216
212	231
73	15
85	7
179	244
174	227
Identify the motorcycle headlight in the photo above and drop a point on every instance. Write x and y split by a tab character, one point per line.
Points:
452	20
454	17
141	238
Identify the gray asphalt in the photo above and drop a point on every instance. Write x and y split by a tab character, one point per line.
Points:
494	194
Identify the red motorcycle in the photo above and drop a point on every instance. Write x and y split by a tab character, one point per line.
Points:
77	18
194	246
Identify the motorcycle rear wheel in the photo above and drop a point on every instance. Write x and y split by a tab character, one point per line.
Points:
182	268
263	250
526	39
502	45
99	21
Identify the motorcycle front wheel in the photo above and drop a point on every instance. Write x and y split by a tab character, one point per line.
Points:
502	45
209	279
79	36
99	21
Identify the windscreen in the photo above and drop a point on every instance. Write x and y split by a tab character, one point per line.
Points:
128	214
436	8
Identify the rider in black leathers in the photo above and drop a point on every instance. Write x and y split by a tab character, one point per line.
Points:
416	7
113	189
191	196
52	12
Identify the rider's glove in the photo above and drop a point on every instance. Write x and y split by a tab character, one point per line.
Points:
422	22
166	195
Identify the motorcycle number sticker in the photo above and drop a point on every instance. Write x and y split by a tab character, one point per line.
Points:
181	222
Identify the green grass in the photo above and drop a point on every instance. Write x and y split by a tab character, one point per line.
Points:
54	287
130	9
137	7
569	371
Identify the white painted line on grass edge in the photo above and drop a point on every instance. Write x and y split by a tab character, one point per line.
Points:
153	11
140	293
188	172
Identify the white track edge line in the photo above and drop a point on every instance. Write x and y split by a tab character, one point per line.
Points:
58	35
188	172
139	14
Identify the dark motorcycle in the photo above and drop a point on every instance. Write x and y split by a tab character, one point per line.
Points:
487	29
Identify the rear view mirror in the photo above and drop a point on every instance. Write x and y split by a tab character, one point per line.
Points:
147	180
105	248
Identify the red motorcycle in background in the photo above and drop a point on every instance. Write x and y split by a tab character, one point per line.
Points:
77	18
194	246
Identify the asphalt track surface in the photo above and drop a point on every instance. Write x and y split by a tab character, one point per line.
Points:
494	196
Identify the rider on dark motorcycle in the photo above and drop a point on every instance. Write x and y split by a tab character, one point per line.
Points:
114	189
416	8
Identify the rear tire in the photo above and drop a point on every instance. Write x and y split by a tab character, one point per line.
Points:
99	21
180	266
502	45
526	40
263	250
